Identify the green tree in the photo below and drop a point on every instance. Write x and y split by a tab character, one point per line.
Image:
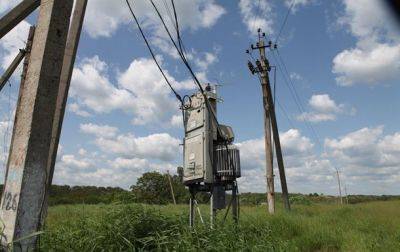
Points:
154	188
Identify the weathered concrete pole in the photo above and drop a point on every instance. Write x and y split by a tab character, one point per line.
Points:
22	202
65	80
10	70
16	15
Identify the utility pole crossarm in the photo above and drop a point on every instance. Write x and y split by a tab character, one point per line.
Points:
10	70
16	15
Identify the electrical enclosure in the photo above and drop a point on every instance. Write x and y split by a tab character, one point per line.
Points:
200	133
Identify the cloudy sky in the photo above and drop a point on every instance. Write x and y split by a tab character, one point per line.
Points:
342	57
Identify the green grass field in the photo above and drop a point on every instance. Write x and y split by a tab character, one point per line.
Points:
373	226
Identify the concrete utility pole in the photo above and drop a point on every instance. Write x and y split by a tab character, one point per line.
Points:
16	15
28	49
71	49
23	199
171	187
340	188
269	109
10	70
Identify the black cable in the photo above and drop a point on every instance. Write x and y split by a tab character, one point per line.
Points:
186	63
177	27
284	22
152	53
299	100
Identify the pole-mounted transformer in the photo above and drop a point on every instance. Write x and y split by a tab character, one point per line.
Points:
211	160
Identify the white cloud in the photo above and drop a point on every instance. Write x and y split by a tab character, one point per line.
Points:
161	146
304	171
316	117
71	160
209	59
252	152
7	4
151	94
5	133
76	109
141	91
297	3
118	172
99	130
192	15
325	109
12	42
248	10
103	17
177	121
91	87
369	158
82	152
370	67
295	76
323	103
376	57
155	146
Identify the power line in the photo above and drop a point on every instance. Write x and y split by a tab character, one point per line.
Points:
152	53
284	21
177	29
299	100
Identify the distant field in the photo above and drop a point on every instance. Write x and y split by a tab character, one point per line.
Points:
372	226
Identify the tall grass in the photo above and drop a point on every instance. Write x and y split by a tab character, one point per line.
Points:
364	227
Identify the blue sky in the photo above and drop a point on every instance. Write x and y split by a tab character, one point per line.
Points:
343	58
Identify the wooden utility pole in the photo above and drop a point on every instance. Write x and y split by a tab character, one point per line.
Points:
340	188
24	193
269	109
268	140
171	187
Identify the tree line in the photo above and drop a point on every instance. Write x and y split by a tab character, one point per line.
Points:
154	188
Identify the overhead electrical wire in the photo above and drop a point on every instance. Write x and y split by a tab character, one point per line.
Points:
284	21
152	53
186	63
178	35
296	95
180	50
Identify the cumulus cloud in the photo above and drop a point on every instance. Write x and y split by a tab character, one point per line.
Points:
99	130
8	4
76	109
155	146
141	91
304	170
5	133
369	67
323	108
117	159
192	15
161	146
12	42
297	3
375	59
369	161
369	158
264	20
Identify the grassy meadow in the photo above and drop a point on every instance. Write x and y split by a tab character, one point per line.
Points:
371	226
